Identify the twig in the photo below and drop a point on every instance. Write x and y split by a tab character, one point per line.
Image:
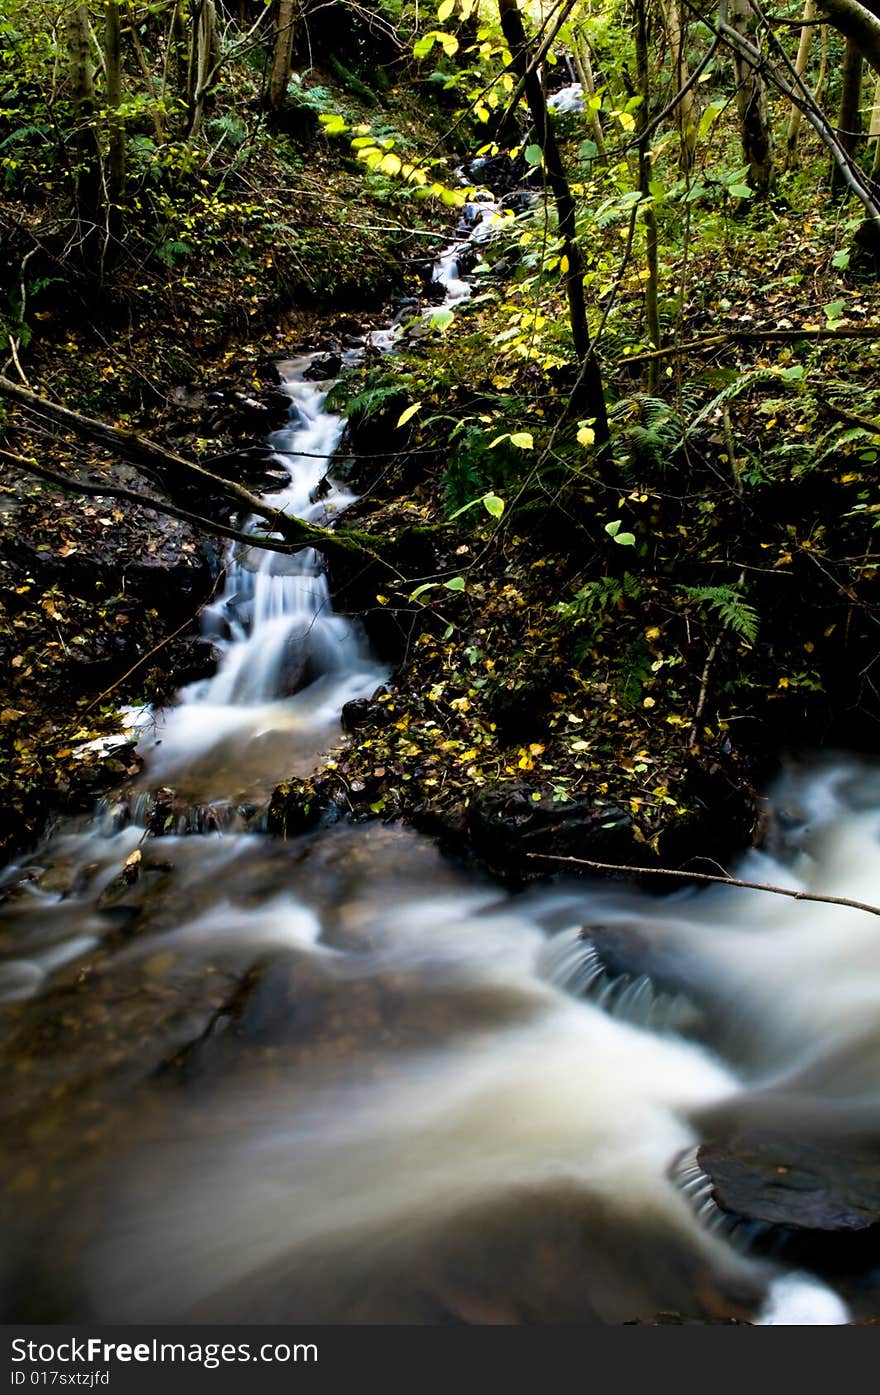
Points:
704	689
708	877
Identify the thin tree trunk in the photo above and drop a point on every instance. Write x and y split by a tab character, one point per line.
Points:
751	101
81	75
874	134
116	122
204	64
687	112
849	120
86	164
649	215
588	397
584	70
819	94
796	119
282	55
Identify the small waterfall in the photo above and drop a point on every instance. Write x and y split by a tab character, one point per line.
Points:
288	662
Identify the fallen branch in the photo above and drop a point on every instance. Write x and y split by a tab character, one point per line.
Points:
750	336
707	877
171	470
114	491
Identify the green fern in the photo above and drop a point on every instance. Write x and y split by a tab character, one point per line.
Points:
728	605
726	395
362	404
649	429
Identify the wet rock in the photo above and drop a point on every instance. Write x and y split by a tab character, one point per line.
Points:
362	712
505	823
817	1201
329	366
300	806
257	467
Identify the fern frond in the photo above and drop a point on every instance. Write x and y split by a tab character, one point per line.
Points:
726	395
734	613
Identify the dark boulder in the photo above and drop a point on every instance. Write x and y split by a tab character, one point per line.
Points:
814	1201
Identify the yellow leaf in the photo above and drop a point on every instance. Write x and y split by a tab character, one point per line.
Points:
627	120
408	414
390	164
563	266
586	436
524	439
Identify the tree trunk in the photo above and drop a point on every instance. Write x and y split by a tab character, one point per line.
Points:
649	215
687	112
849	120
80	71
795	120
588	397
861	23
751	102
283	54
874	133
116	122
584	70
204	64
86	164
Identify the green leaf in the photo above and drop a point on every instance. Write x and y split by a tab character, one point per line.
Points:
444	10
498	439
588	150
710	115
533	155
840	260
408	414
420	590
794	374
442	319
834	309
740	191
625	539
455	584
493	505
523	439
613	528
422	47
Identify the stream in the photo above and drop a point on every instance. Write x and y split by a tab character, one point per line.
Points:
343	1079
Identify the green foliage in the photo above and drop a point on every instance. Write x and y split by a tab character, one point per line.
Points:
728	605
647	433
631	672
363	398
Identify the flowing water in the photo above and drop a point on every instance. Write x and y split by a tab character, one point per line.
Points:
341	1079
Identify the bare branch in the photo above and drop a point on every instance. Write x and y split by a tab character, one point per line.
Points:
707	877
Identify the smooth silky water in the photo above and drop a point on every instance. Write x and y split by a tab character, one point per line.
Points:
341	1079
